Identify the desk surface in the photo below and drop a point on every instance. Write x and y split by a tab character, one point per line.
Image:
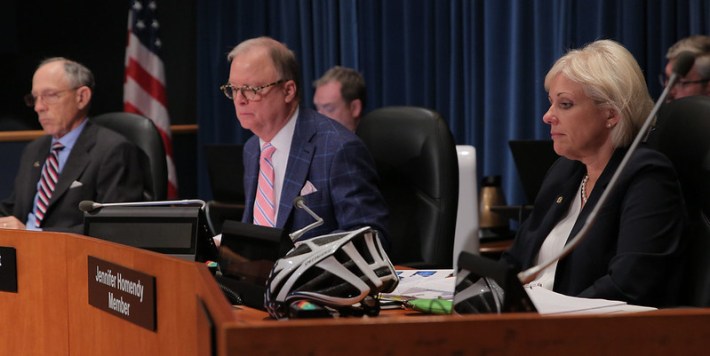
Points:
51	314
675	331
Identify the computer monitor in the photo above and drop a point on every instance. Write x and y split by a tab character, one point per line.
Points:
532	160
179	231
249	251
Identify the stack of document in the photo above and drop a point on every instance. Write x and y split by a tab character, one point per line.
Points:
549	302
424	284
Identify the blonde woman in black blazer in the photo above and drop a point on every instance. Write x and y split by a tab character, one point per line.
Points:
633	251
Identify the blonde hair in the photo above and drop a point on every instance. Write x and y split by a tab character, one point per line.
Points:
612	78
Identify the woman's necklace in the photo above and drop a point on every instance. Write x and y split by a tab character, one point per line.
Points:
584	188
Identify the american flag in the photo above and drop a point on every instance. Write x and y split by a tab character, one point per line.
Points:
144	85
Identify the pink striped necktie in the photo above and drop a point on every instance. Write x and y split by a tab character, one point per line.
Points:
264	204
47	182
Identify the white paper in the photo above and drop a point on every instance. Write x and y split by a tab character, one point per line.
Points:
425	284
549	302
440	283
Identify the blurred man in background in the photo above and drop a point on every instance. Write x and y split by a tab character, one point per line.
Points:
697	80
340	95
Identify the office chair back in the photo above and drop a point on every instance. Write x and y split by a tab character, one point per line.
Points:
416	159
141	131
682	133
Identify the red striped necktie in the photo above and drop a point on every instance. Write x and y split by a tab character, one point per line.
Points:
264	204
48	181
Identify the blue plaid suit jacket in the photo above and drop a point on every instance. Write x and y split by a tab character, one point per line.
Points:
340	167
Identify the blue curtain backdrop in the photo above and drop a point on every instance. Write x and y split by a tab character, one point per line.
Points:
480	63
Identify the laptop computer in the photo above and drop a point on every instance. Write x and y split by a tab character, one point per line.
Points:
532	160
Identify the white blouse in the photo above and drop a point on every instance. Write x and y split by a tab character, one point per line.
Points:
555	242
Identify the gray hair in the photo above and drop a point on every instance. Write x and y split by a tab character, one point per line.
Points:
283	59
77	74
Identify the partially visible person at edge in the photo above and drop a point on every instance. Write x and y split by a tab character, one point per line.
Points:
93	163
697	80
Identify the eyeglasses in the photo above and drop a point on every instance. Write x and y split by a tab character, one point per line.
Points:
663	80
248	92
48	98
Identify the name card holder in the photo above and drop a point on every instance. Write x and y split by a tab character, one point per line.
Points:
8	269
123	292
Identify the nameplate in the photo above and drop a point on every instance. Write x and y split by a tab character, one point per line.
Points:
8	269
123	292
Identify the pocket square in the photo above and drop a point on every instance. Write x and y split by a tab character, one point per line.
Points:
308	188
75	184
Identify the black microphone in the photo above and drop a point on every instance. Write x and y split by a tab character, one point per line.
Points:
89	206
299	203
683	63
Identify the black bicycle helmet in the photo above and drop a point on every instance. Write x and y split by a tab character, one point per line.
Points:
336	270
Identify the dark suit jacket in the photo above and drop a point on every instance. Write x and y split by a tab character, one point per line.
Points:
103	167
633	251
340	167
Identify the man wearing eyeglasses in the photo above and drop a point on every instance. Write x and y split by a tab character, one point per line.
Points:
340	95
76	160
697	81
296	151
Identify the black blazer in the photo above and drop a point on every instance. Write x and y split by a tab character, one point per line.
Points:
103	167
633	251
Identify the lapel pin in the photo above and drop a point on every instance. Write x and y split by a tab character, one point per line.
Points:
559	200
36	164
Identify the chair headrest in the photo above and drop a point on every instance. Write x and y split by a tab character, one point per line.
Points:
682	133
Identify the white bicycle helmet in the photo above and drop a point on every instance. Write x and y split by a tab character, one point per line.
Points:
335	270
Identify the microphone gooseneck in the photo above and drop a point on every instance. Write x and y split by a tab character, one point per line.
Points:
298	202
89	206
684	62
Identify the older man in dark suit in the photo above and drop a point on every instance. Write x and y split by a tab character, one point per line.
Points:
75	161
296	151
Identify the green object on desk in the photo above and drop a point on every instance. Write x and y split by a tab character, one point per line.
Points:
431	306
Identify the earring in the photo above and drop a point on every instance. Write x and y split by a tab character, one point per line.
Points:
608	125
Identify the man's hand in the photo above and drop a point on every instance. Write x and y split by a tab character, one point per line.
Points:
11	222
